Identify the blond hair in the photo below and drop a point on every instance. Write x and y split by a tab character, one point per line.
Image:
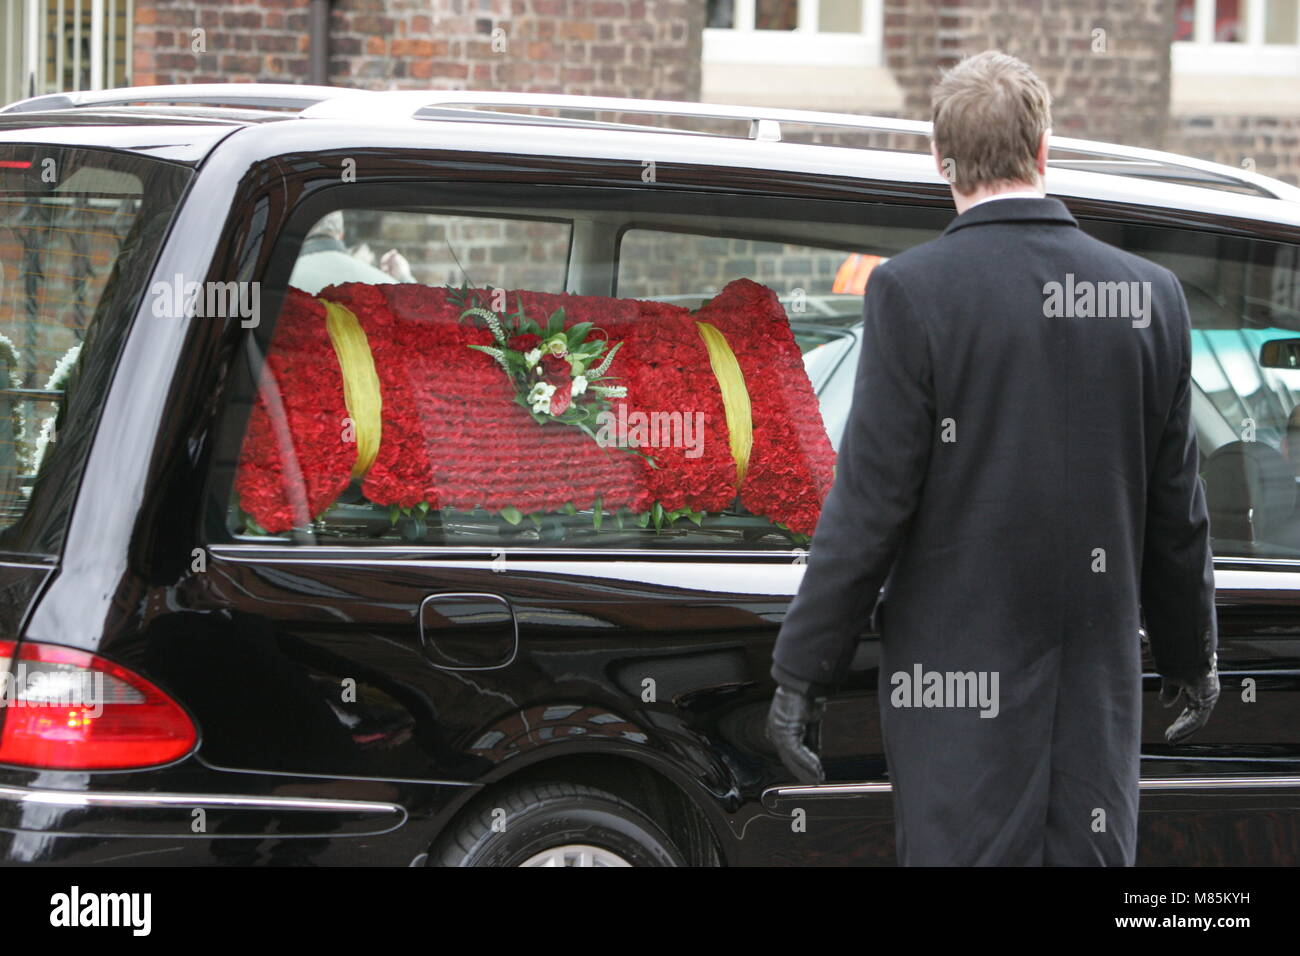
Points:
989	113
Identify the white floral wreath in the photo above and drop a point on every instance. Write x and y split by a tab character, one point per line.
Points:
58	379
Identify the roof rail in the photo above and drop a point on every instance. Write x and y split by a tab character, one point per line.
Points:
286	96
766	125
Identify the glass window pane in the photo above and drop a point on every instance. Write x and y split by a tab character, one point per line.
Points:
79	230
1185	20
1280	22
716	377
437	250
720	14
1242	295
839	16
1230	21
820	289
776	14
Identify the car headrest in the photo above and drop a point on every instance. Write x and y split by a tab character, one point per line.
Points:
1249	487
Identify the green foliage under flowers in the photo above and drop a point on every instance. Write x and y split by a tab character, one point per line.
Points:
413	522
587	358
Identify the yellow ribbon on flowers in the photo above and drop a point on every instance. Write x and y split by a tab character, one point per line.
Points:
361	393
735	396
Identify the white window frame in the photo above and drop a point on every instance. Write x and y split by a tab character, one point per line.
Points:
803	46
1250	57
35	35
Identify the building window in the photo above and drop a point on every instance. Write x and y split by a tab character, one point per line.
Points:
1242	37
51	46
825	32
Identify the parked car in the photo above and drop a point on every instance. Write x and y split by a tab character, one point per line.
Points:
384	678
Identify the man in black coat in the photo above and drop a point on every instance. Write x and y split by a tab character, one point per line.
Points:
1019	471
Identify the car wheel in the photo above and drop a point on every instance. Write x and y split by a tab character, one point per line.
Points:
556	824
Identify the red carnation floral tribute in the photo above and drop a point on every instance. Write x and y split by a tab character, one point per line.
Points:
294	462
462	430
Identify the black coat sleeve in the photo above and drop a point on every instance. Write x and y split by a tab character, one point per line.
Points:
1177	565
882	462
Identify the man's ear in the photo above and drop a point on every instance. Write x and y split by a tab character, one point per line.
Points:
1041	159
938	160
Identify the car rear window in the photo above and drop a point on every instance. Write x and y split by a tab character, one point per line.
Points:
79	231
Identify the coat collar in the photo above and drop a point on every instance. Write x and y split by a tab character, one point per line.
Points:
1046	209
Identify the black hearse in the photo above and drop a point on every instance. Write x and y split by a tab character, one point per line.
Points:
354	682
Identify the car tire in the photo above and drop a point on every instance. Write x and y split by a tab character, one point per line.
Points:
556	824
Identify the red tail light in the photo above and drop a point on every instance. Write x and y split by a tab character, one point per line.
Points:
63	709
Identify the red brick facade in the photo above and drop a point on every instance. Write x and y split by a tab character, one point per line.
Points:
240	42
1266	144
644	48
1106	64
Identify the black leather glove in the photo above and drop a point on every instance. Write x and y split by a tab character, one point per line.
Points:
1199	696
789	721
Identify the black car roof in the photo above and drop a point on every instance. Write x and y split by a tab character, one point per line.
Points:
178	137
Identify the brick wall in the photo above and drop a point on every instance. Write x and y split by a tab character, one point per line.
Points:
263	41
1269	145
647	48
456	250
911	50
653	263
1110	85
1118	93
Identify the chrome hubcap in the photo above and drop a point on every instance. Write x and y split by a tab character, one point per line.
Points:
575	854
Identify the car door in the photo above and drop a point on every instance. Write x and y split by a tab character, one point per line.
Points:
1228	795
449	643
